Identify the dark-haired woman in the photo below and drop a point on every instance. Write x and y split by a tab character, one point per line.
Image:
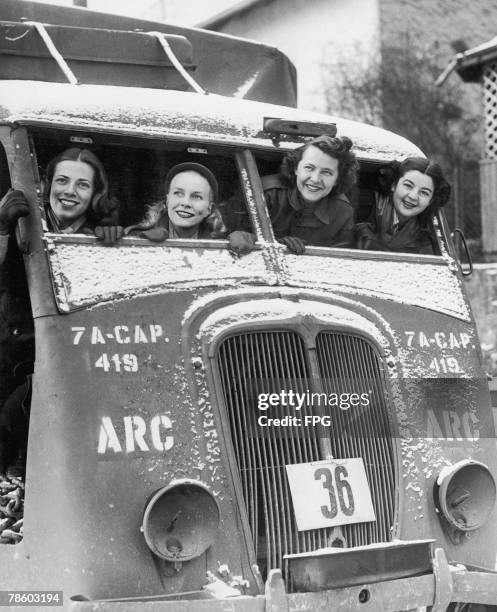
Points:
76	198
76	201
306	200
410	194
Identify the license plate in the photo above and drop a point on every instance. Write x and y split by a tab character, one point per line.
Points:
329	493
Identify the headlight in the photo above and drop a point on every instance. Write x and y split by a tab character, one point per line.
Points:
180	521
465	494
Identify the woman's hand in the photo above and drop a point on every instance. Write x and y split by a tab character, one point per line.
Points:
293	244
13	206
109	234
241	243
364	242
155	234
367	240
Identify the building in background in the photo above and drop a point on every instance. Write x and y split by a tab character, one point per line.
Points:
479	65
318	32
307	32
178	12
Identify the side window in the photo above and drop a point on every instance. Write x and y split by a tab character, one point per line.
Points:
138	175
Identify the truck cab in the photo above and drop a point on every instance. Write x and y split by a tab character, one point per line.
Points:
160	473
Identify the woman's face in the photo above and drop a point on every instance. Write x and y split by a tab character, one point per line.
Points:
316	174
412	194
188	200
71	190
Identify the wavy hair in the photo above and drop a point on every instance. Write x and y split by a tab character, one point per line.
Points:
103	209
390	176
338	148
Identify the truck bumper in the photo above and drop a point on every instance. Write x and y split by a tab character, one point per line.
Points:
445	585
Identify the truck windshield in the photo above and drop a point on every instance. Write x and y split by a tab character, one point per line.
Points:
130	176
85	179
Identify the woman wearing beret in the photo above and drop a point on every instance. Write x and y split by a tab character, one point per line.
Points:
189	208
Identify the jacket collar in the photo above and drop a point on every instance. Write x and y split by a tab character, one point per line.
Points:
73	228
323	209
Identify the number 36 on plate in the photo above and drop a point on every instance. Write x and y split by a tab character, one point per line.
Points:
329	493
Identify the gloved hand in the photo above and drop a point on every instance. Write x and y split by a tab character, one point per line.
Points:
156	234
364	242
294	245
367	240
12	206
241	243
109	234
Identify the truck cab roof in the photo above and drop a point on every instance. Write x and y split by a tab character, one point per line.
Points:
169	114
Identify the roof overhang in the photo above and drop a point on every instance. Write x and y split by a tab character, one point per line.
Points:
470	63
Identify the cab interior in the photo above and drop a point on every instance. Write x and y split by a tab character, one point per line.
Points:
136	169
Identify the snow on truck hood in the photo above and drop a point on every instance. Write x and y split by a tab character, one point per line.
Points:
153	112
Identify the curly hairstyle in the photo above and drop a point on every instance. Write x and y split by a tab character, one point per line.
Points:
103	209
338	148
390	176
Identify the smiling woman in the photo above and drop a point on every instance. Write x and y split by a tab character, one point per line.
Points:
71	191
316	174
410	194
76	201
306	200
76	194
75	197
189	202
189	209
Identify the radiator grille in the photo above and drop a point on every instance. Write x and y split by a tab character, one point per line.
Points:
348	364
343	361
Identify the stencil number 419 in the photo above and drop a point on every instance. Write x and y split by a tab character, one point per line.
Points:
117	363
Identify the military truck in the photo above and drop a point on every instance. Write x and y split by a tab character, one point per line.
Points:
155	479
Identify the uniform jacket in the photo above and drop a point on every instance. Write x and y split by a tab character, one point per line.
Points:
329	223
78	226
381	234
106	213
156	216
